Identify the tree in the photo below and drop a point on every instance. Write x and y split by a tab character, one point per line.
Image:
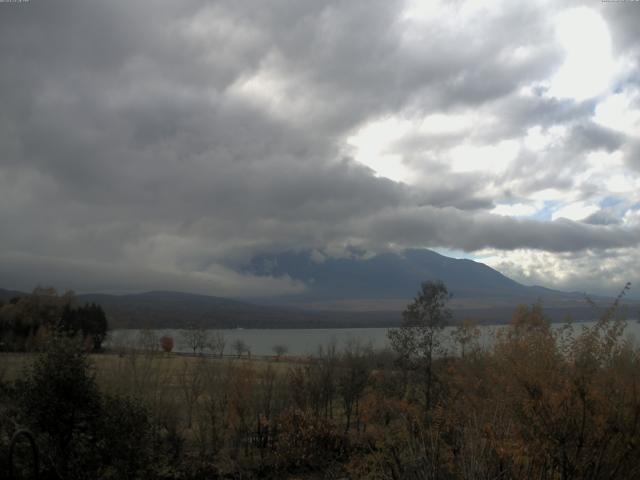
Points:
82	433
321	380
61	403
126	443
191	383
466	334
353	378
89	320
27	320
147	341
23	316
419	337
196	338
166	343
94	324
240	347
280	350
217	343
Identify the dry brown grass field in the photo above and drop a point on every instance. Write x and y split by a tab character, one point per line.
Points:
157	378
113	370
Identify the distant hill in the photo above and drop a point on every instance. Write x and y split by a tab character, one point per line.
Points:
6	295
166	309
177	310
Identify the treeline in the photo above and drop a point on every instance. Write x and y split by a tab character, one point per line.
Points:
26	322
539	403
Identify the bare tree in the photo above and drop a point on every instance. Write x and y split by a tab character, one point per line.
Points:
217	343
466	334
191	383
239	346
280	350
353	378
217	383
195	337
321	380
147	341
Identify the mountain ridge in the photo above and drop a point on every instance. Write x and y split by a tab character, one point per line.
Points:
341	292
391	275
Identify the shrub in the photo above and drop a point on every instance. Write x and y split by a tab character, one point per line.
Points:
59	401
166	343
82	434
307	442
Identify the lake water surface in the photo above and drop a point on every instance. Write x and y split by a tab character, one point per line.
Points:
308	341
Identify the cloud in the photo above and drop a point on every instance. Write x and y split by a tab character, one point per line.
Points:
87	276
163	144
466	231
603	272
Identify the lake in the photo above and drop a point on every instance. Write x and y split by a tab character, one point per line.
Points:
307	341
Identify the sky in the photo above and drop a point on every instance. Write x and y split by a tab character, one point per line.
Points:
162	144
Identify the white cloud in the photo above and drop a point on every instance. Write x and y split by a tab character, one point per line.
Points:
589	67
590	271
632	217
549	194
371	147
515	210
620	112
442	123
486	158
538	140
276	92
621	183
605	161
419	11
378	144
575	211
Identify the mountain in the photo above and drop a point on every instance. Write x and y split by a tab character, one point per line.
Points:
357	291
386	277
387	282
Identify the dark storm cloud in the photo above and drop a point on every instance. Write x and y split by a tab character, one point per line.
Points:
168	139
368	60
471	232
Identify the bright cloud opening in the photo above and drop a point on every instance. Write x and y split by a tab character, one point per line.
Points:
486	158
372	148
589	66
422	11
514	210
575	211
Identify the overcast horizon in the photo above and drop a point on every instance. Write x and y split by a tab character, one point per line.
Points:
161	145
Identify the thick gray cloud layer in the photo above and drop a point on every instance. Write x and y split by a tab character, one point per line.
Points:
161	144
